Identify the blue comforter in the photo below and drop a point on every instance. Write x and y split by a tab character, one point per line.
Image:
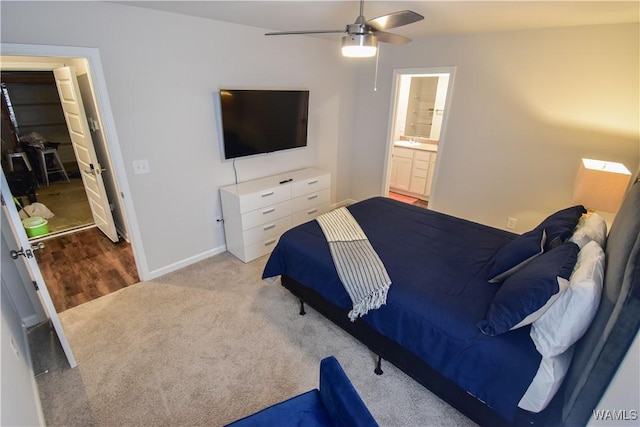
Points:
439	292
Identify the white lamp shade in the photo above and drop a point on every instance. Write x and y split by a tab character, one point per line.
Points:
601	185
359	45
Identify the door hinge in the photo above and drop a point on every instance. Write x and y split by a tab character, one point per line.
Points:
93	124
35	285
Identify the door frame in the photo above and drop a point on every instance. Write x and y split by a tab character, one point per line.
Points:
92	55
397	74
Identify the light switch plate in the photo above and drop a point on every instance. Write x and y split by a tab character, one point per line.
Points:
141	167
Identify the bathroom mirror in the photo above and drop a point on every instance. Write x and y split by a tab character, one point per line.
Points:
423	98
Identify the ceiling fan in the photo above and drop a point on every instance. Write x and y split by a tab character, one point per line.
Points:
363	36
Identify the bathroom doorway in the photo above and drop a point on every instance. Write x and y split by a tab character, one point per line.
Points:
419	109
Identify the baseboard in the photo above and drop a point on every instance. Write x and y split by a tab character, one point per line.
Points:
30	321
184	263
343	203
208	254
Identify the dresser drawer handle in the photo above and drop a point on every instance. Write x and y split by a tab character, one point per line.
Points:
312	197
270	193
270	242
268	227
268	211
315	181
312	211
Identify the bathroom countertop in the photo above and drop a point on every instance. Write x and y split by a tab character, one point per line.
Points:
416	145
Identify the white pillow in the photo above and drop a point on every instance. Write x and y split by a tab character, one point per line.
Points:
568	318
547	381
590	227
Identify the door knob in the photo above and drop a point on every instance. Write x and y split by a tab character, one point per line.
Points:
28	252
94	170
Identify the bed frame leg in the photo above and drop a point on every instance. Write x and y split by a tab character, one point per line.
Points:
378	369
302	312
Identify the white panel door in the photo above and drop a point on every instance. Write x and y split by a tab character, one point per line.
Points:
90	168
21	241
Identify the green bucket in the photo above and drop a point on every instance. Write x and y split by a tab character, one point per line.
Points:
36	226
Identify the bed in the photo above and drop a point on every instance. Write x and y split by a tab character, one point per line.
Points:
471	310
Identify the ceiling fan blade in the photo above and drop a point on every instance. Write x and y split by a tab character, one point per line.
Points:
393	20
391	38
286	33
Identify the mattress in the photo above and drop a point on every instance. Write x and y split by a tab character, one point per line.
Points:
439	293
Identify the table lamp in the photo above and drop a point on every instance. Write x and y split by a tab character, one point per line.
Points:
601	185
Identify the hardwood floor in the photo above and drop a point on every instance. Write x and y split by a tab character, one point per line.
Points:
82	266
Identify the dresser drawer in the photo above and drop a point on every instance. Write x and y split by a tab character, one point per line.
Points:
310	185
257	212
308	214
266	214
310	200
265	231
259	249
268	197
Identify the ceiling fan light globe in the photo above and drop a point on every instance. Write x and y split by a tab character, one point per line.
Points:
359	45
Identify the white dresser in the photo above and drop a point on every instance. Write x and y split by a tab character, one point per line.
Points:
257	212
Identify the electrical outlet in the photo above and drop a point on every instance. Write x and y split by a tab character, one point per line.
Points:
141	167
511	223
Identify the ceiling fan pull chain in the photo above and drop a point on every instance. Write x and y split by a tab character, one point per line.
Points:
375	79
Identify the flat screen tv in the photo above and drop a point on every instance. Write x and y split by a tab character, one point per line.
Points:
262	121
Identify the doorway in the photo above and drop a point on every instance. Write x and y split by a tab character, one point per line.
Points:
418	114
84	241
34	124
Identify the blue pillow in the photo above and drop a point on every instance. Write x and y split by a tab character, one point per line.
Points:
560	225
516	254
526	295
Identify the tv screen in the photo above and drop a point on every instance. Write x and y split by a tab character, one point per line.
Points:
263	121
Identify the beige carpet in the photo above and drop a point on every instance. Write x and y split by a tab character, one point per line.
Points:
207	345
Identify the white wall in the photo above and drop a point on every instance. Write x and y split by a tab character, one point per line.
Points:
526	106
161	72
19	400
620	404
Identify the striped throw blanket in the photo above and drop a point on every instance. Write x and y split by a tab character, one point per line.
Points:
358	265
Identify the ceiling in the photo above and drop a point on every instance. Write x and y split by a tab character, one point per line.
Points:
441	17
